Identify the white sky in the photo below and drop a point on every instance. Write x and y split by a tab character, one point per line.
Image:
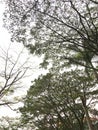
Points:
15	48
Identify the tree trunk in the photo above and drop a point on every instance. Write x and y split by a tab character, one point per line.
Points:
89	122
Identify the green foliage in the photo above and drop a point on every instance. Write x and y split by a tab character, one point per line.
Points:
54	101
9	123
62	30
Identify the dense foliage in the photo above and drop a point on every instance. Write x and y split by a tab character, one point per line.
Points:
66	32
62	30
59	101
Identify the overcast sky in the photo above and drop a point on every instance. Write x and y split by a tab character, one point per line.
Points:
4	43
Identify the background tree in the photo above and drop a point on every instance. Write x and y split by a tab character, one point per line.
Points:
11	74
59	101
8	123
12	123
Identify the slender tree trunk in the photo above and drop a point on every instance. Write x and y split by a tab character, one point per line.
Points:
89	122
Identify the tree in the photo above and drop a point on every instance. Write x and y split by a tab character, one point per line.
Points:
8	123
11	74
65	31
58	27
59	101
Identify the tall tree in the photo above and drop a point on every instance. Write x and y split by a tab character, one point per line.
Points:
60	102
65	30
